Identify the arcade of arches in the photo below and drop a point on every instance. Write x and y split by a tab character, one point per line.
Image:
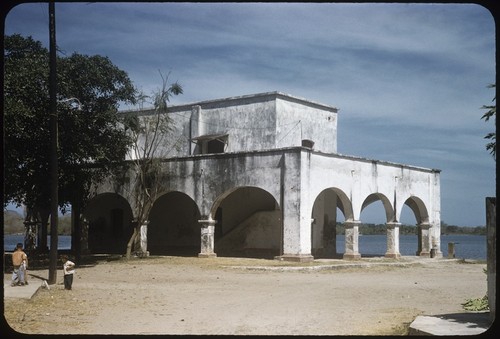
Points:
247	222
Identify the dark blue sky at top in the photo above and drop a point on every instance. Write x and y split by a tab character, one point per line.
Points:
409	79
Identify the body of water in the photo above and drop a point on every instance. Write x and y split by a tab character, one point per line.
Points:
466	246
10	242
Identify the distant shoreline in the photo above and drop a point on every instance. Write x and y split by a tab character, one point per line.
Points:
21	233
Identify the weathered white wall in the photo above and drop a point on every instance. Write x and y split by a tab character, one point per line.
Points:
253	123
250	124
297	121
265	132
295	177
358	178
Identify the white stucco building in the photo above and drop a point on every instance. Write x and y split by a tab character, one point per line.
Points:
260	175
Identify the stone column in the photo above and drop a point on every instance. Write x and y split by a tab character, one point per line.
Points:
207	238
435	242
393	240
297	241
424	239
144	238
351	240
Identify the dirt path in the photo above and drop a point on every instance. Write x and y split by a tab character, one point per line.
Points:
173	295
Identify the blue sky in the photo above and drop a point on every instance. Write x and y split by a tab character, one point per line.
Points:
409	80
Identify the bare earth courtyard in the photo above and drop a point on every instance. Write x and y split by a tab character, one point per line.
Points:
179	295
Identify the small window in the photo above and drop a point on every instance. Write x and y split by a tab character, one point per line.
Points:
215	146
307	143
210	144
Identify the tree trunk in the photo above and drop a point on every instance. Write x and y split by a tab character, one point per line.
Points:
44	217
76	230
131	241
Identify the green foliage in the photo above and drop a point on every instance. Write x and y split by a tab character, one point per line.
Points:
162	97
491	113
26	121
476	305
452	229
91	139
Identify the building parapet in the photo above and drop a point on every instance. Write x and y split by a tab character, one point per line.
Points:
260	97
298	149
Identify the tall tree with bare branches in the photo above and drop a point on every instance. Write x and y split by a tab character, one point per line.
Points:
150	144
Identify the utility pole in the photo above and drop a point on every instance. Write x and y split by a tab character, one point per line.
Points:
54	182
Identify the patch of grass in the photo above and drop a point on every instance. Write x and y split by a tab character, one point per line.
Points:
476	305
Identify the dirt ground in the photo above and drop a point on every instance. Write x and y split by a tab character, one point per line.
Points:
177	295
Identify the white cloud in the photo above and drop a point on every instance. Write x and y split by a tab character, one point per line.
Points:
409	80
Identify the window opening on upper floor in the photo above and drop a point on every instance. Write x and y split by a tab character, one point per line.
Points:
215	146
210	143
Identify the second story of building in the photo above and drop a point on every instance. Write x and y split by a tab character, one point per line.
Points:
249	123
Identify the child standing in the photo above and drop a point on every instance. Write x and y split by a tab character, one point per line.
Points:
20	263
69	270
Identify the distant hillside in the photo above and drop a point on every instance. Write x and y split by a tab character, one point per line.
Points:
13	223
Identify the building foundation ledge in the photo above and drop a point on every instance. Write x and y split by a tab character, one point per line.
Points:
393	255
296	257
352	256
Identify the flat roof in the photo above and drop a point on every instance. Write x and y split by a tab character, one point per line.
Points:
250	98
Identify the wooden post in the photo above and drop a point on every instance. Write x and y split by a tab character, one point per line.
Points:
451	250
54	182
491	231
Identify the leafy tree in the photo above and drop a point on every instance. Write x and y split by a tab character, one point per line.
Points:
149	146
91	139
491	113
26	128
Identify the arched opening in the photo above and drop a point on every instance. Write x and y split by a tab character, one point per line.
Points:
328	205
109	219
248	224
376	211
173	226
408	234
416	207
